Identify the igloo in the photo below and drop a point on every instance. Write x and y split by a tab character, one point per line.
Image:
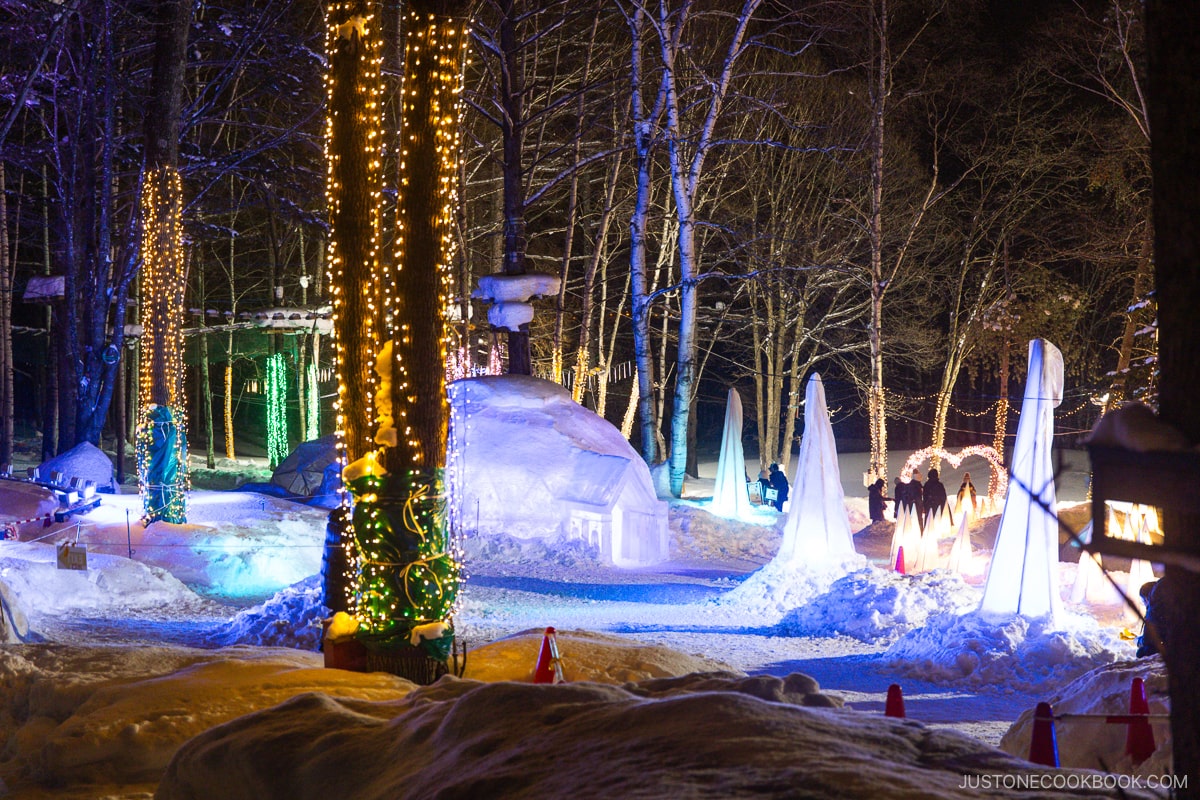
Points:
529	462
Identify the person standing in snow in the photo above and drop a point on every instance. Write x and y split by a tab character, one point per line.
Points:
876	499
1152	632
916	496
900	496
779	483
935	494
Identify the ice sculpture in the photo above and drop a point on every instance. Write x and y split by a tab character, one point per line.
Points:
817	525
730	498
1023	577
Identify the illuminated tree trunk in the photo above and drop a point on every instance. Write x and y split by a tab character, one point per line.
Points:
352	193
162	445
6	365
406	578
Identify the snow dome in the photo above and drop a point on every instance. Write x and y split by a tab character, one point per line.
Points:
534	464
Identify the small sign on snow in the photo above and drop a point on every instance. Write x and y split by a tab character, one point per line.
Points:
72	556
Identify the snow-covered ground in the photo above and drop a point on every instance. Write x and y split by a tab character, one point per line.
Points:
124	663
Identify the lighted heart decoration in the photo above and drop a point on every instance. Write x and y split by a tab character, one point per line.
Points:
999	484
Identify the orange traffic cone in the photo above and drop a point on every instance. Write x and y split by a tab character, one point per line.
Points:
900	559
1043	748
1139	736
894	707
549	664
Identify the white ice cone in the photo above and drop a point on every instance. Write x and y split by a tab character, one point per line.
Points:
897	538
961	558
1090	584
929	549
911	539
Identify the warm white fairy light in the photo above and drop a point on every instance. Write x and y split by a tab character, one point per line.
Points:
160	366
997	486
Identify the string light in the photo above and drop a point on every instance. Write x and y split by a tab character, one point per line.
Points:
997	484
312	420
277	438
229	451
162	431
405	565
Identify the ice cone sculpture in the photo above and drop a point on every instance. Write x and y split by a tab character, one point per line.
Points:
730	498
962	560
817	525
897	535
1023	577
911	539
928	557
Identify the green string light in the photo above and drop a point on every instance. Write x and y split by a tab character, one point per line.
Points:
277	438
312	421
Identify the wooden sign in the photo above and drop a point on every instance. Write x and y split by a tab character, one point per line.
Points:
72	556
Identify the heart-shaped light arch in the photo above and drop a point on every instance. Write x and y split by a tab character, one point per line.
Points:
997	486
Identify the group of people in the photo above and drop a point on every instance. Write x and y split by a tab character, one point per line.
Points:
926	497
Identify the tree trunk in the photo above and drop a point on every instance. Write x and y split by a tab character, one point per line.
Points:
512	131
164	277
353	186
6	362
1172	39
876	404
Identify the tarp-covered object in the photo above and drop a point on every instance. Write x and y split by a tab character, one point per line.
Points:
164	476
310	471
533	464
817	525
730	498
1023	577
84	461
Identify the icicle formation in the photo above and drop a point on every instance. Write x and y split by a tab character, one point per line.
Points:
1023	578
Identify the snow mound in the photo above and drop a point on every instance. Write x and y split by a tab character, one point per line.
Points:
771	592
698	534
586	656
235	544
84	461
703	736
1026	655
21	501
99	715
109	585
878	606
1093	744
293	617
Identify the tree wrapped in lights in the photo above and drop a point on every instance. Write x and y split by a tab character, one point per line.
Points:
277	437
161	442
390	322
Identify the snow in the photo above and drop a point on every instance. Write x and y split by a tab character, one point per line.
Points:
1135	426
721	672
500	288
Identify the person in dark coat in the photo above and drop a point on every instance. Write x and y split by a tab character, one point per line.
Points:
876	499
1152	631
779	483
900	497
935	493
916	496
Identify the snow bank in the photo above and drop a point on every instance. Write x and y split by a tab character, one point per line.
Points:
84	461
77	716
699	736
779	587
292	617
1094	744
1012	653
878	606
